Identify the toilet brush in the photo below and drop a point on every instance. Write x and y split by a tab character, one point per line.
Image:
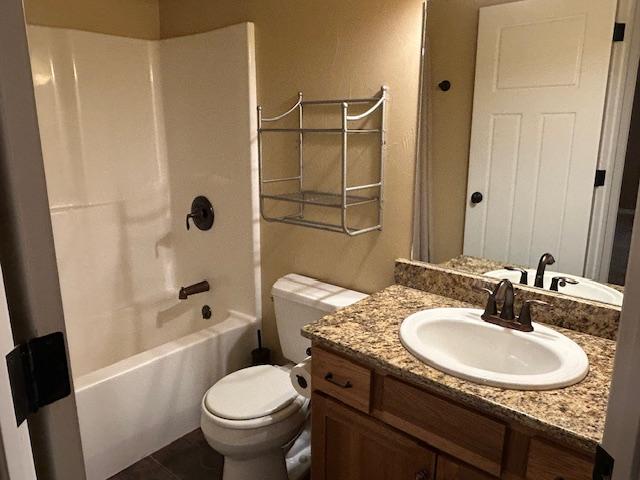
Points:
260	355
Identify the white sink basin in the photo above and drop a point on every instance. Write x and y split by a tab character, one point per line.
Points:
584	289
457	341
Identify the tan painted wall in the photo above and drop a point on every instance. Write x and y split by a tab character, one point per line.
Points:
333	48
127	18
453	31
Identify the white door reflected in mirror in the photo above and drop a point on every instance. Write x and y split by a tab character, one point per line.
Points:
541	78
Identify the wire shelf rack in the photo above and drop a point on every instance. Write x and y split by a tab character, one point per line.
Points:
348	196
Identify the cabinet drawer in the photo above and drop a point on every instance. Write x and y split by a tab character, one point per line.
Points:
549	462
449	469
341	378
451	428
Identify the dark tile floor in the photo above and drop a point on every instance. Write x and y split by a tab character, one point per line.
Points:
188	458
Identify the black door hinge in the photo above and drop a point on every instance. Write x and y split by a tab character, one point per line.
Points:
603	466
38	373
618	32
601	175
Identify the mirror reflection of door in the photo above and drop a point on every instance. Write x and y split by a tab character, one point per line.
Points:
541	78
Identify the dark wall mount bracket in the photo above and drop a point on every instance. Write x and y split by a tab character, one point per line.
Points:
38	373
619	30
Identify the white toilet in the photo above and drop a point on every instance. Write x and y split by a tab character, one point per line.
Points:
252	416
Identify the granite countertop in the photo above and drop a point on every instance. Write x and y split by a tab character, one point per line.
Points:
368	331
478	266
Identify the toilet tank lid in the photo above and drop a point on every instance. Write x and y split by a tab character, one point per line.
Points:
314	293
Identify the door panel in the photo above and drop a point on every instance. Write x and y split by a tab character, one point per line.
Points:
505	139
541	76
559	43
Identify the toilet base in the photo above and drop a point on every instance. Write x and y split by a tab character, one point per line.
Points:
270	466
298	455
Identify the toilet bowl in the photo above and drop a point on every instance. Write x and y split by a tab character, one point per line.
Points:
251	416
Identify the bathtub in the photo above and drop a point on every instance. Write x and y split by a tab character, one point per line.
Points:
138	405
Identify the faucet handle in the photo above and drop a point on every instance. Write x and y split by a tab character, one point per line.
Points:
525	313
524	275
491	307
483	289
189	217
562	282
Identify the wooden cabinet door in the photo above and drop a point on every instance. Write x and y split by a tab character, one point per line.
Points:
448	469
551	462
347	445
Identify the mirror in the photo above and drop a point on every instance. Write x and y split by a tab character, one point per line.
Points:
526	155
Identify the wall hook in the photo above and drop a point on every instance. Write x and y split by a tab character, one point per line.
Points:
445	85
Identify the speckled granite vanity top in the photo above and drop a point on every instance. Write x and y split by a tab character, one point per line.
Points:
368	332
479	266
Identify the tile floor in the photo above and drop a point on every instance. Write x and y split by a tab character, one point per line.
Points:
188	458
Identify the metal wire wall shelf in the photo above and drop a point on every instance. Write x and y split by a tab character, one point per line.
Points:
348	196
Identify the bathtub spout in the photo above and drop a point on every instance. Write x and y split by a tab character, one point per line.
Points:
186	292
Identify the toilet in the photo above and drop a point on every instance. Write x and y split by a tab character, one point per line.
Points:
253	416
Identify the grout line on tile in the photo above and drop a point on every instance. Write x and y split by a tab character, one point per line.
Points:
165	468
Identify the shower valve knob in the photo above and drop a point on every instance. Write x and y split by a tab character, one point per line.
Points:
201	214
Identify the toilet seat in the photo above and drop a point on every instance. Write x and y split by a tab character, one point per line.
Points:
253	397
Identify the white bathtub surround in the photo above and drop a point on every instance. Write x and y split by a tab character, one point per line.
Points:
137	406
209	104
132	130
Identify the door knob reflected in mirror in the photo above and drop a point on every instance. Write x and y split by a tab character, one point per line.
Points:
476	197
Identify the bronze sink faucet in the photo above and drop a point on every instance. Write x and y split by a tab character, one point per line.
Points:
504	292
545	259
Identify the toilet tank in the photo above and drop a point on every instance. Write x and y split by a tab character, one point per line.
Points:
299	300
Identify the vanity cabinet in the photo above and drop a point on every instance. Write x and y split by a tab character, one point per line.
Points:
367	424
348	445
